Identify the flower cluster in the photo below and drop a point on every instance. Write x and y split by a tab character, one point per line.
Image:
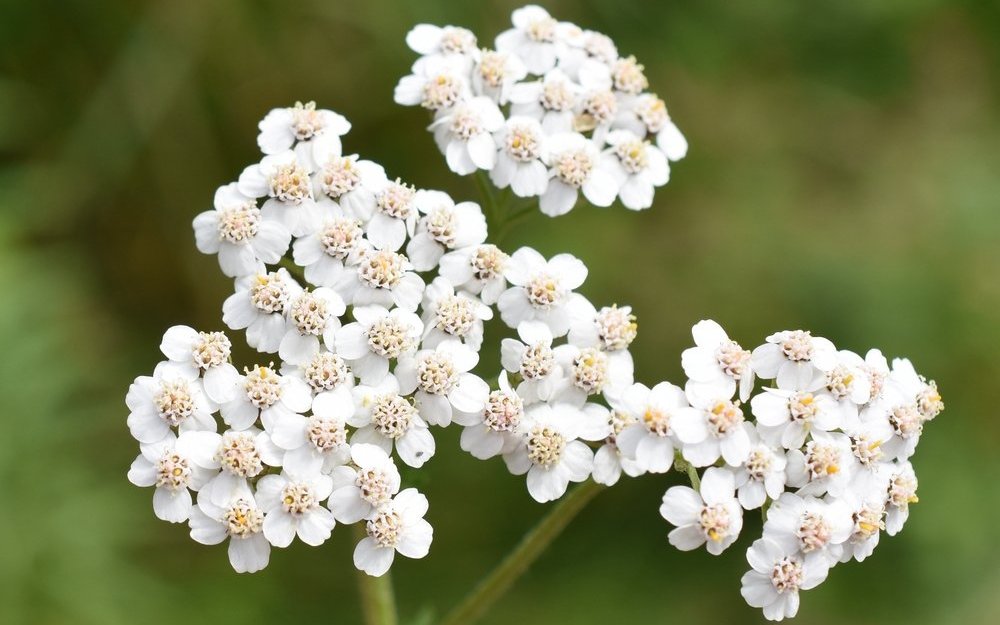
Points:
825	455
552	111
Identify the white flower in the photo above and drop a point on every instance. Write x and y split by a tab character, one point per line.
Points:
234	458
549	450
479	270
877	368
206	353
259	305
534	38
427	39
349	182
267	395
492	430
304	124
384	278
762	474
717	432
786	417
717	364
611	329
496	73
849	384
376	337
657	415
328	377
331	253
359	491
284	179
394	216
542	290
312	316
239	235
172	397
386	418
589	371
609	461
647	113
398	525
813	526
576	165
868	515
464	134
519	162
908	382
795	358
710	517
314	444
452	315
533	359
870	467
776	577
440	381
639	167
551	101
291	505
443	226
242	521
437	83
902	492
824	465
164	464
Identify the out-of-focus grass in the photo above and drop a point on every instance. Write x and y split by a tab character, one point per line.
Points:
842	177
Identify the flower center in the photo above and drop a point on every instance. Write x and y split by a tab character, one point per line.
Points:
573	167
590	370
440	223
632	155
787	575
542	30
732	359
723	417
388	337
759	464
306	121
289	183
839	381
269	293
441	92
543	291
298	498
867	523
436	374
903	490
714	521
813	532
325	434
652	111
173	471
503	411
456	40
174	402
797	345
242	520
523	143
392	415
906	420
339	176
929	402
616	327
629	76
239	224
537	361
656	421
455	315
326	371
396	200
238	455
384	528
493	68
877	378
340	237
310	314
599	108
382	269
263	387
374	486
822	460
545	446
601	47
487	262
867	451
803	407
466	123
211	350
556	96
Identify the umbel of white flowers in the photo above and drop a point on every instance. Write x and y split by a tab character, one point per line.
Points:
377	342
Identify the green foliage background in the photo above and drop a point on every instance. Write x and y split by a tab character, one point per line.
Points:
843	176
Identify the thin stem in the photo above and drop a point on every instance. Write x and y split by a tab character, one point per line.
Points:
378	602
494	585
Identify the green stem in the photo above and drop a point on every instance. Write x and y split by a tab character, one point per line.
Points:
378	602
293	269
494	585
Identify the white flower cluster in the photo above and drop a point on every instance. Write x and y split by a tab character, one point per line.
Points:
828	451
552	111
377	340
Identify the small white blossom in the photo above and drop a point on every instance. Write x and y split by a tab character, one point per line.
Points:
284	179
453	315
259	305
717	364
359	491
241	521
639	168
776	577
165	465
464	134
795	358
440	381
443	226
171	398
386	418
576	165
710	516
542	290
204	353
376	337
398	525
478	269
291	505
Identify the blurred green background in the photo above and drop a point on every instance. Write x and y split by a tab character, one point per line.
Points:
843	176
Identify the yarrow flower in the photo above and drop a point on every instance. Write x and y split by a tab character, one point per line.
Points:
372	298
